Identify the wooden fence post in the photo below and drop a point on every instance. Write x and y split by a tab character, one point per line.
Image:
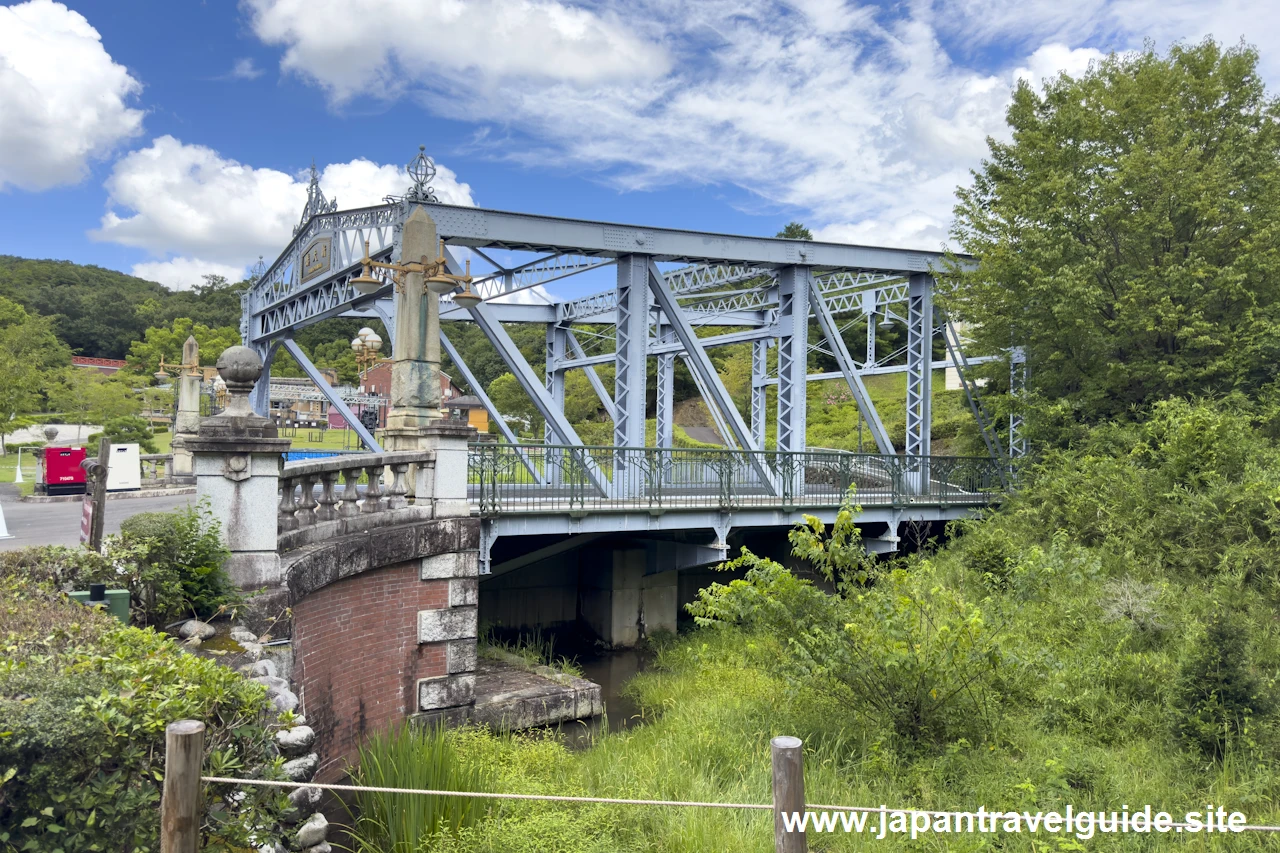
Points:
181	808
788	792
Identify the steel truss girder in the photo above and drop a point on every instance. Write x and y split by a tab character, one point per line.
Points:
985	423
541	271
700	364
483	228
478	390
850	371
687	280
533	386
597	385
331	395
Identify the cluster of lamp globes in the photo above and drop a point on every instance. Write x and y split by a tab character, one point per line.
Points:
436	278
366	344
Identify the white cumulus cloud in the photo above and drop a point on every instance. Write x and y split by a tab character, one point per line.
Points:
356	46
861	119
63	100
196	211
185	273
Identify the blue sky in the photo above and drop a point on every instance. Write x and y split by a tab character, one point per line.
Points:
170	139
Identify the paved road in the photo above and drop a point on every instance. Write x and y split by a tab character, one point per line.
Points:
59	523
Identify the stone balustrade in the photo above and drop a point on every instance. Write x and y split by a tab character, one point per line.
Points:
384	477
157	468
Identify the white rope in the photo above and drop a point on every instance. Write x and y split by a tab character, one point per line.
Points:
551	798
543	797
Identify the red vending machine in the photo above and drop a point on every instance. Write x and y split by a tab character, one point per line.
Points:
60	472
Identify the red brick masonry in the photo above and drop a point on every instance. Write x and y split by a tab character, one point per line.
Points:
358	657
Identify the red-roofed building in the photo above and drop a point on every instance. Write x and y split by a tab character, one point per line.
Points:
102	365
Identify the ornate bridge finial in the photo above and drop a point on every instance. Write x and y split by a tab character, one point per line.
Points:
422	170
316	202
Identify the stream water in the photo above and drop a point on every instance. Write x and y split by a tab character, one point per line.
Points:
611	670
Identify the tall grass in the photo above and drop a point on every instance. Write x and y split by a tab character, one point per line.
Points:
413	757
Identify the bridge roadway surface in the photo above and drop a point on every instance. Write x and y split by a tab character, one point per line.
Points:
59	523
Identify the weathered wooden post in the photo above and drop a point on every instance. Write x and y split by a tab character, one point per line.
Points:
788	792
181	806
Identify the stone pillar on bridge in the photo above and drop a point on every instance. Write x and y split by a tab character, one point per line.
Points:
187	422
236	460
415	368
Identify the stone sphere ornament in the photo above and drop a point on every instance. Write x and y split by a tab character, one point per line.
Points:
240	368
50	432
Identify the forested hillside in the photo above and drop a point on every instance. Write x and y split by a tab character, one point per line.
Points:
100	312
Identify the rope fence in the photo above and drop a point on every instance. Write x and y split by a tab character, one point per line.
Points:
181	811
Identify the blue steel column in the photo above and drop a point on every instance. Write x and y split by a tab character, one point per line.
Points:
629	358
666	388
920	326
759	391
1017	389
260	396
554	375
554	378
793	357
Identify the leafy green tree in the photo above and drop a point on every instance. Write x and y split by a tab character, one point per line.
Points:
86	396
514	403
166	342
127	429
795	231
1127	234
30	353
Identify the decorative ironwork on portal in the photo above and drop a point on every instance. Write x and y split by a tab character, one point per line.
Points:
316	202
422	169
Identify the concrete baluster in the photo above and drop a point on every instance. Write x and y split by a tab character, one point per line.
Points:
399	486
374	491
350	493
307	505
288	503
328	497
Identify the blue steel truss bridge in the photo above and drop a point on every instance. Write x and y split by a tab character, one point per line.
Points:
662	296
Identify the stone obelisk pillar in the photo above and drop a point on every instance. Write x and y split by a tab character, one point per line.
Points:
415	367
187	423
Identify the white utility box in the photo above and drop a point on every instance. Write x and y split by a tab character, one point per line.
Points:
124	469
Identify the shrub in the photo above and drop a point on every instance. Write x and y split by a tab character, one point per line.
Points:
128	429
908	652
839	557
181	571
84	710
1217	693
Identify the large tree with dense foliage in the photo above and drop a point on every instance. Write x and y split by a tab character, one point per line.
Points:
30	355
1128	235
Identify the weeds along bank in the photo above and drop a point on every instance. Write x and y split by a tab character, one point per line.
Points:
1106	639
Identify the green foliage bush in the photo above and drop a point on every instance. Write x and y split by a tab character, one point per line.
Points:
127	429
915	656
84	709
171	563
181	571
1217	692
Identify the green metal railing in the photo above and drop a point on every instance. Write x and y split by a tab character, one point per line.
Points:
526	478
